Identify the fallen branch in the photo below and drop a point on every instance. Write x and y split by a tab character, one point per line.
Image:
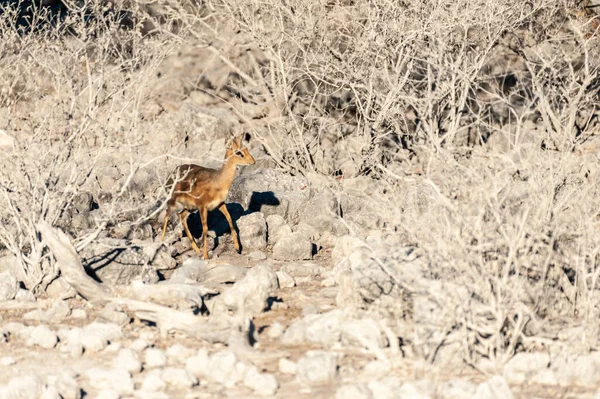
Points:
70	265
22	305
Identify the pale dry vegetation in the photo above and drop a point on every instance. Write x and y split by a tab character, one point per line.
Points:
471	125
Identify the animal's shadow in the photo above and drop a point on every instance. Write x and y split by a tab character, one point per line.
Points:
219	225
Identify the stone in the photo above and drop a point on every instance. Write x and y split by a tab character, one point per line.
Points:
50	392
293	247
261	383
198	364
307	231
60	289
456	389
365	333
221	368
116	379
58	312
253	231
582	370
23	387
353	392
257	256
303	269
97	335
108	394
387	388
323	329
6	361
7	141
43	337
129	360
249	295
275	330
79	314
153	382
9	286
317	368
277	228
177	354
25	295
154	357
286	366
113	315
178	378
524	366
67	386
285	280
322	213
139	344
494	388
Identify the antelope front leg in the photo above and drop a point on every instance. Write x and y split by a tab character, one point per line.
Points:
204	212
183	216
236	241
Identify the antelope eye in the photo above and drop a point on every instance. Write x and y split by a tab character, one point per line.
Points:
239	153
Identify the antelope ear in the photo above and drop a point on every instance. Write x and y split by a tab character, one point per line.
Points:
246	137
230	141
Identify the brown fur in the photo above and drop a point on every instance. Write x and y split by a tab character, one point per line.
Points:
206	189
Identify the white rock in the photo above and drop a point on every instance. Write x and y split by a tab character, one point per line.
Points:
25	295
364	333
323	329
523	366
294	246
129	360
198	364
44	337
178	378
387	388
257	255
153	382
275	330
353	392
118	380
108	394
494	388
582	370
24	387
73	342
79	314
50	392
412	391
67	386
139	345
262	384
253	231
277	228
248	295
456	389
221	368
154	357
96	336
112	315
285	280
177	354
59	311
317	367
6	361
9	286
286	366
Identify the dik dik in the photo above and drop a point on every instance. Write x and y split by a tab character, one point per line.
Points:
204	189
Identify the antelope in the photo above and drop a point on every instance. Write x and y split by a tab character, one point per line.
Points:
204	189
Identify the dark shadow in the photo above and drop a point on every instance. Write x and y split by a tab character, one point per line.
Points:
251	330
258	200
271	300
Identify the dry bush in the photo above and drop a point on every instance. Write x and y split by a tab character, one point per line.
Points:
74	94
